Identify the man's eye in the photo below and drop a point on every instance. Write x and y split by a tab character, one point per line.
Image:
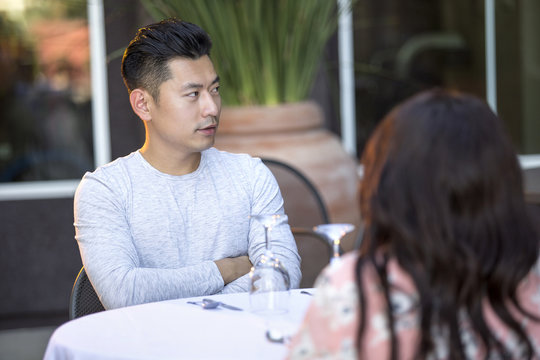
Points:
193	94
215	90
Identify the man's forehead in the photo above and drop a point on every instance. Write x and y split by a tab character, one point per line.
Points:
185	70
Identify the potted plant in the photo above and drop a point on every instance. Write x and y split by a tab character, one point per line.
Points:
267	54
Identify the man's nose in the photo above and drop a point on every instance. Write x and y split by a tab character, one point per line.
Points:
210	104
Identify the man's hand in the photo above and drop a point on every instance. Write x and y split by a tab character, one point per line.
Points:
233	268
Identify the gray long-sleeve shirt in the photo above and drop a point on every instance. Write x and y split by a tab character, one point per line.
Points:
148	236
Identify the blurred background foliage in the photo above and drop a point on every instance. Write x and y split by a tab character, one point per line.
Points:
265	52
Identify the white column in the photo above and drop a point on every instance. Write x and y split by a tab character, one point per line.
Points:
346	77
491	65
98	71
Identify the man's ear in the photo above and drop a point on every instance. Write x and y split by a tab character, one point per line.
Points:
139	100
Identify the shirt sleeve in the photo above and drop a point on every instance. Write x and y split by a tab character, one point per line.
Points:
239	285
110	257
267	199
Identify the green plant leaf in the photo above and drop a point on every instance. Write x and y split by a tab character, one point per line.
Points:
265	51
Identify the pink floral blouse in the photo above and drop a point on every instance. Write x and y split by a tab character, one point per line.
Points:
330	326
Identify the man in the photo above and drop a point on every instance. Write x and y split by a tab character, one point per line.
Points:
171	219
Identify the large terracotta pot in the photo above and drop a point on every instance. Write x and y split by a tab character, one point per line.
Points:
295	134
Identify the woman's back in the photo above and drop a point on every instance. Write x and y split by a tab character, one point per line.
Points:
442	196
330	327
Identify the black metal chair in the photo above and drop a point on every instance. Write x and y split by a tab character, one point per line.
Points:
292	181
305	208
83	300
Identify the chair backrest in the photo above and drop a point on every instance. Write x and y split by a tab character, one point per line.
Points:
84	300
305	208
303	202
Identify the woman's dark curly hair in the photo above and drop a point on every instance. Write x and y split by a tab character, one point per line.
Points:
442	194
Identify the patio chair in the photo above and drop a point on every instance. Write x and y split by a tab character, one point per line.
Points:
83	300
305	208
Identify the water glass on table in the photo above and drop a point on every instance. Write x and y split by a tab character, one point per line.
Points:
270	285
334	233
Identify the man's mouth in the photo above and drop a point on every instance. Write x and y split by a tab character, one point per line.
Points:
208	130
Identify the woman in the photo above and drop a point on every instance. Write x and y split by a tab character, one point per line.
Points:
448	242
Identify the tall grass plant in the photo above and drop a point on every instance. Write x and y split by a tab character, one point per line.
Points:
266	52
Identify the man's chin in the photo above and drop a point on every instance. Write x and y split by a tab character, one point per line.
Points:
208	144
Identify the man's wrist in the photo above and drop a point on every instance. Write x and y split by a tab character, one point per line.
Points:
233	268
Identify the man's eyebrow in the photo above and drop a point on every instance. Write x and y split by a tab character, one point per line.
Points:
190	86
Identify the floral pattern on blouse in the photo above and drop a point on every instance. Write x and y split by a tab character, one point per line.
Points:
329	329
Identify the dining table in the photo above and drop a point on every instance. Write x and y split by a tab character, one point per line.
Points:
180	329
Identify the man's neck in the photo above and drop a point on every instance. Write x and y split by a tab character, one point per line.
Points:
172	163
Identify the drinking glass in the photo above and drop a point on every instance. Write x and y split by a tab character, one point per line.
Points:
269	282
334	233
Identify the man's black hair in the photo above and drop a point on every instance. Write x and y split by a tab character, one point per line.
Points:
145	61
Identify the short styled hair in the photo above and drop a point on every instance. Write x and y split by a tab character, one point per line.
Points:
145	61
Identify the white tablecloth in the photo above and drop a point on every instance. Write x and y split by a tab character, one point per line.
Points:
174	330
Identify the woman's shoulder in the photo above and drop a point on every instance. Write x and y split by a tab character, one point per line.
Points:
338	281
529	290
340	271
